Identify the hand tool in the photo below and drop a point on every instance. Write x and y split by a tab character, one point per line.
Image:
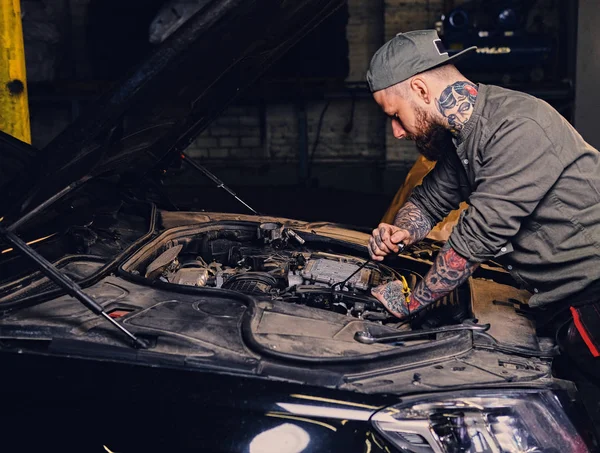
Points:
367	338
401	246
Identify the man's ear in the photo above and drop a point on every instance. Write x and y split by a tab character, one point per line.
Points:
420	89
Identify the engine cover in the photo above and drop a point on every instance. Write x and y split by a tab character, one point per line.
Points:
327	271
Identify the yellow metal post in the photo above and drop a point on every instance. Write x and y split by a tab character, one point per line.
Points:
14	107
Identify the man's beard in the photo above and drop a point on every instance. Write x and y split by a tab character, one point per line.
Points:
433	140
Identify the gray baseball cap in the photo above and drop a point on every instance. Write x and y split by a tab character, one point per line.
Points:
406	55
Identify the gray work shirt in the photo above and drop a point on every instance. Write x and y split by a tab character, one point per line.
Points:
533	188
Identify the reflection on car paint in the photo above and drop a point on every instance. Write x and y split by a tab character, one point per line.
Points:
327	412
329	400
302	419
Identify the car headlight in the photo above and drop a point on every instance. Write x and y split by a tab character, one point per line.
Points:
480	421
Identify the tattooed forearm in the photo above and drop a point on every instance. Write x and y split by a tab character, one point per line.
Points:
411	219
456	104
392	297
449	271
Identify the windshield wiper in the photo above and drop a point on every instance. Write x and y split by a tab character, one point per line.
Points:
70	287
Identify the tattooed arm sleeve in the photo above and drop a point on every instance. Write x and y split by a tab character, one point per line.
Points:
412	219
449	271
442	189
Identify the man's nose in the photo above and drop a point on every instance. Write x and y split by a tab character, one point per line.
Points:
398	130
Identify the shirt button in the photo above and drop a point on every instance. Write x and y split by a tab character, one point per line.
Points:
535	290
503	249
509	267
465	161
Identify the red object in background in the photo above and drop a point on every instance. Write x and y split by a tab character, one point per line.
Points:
587	321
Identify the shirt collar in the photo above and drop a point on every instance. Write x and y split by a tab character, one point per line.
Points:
470	125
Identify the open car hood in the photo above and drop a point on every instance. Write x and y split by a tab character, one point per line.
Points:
170	98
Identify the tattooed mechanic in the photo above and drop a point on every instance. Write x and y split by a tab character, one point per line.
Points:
532	183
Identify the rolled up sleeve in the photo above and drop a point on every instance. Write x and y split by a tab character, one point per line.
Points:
442	190
519	165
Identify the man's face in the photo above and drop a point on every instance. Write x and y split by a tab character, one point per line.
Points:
400	111
411	122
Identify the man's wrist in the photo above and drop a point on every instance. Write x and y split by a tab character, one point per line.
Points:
414	304
411	219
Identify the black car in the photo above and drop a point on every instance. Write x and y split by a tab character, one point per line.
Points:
126	327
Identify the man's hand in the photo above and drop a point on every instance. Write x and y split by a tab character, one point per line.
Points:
392	297
385	240
410	226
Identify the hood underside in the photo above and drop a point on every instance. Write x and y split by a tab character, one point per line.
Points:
162	105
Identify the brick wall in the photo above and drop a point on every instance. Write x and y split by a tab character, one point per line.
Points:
237	134
343	134
405	15
365	33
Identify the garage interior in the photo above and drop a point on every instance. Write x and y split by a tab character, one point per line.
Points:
306	140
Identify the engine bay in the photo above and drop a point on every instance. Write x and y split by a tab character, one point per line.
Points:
294	294
272	262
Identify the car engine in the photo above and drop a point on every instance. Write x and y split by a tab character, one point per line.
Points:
300	277
276	264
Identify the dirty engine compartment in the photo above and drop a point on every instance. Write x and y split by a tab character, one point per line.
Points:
248	294
271	262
